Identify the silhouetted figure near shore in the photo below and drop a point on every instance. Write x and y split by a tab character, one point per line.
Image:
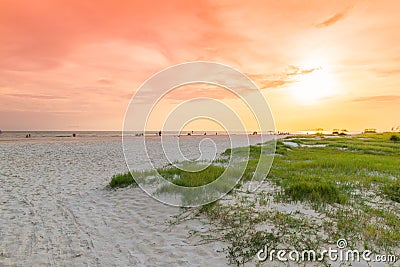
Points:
159	133
74	135
216	133
205	133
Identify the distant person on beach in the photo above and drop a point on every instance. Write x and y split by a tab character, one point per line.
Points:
159	133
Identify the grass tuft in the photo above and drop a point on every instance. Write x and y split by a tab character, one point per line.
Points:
122	180
395	138
192	179
392	190
326	192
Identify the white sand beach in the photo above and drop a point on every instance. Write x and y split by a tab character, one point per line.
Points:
55	211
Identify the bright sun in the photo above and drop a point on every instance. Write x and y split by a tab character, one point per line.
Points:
313	86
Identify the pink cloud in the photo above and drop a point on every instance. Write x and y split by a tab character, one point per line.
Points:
41	34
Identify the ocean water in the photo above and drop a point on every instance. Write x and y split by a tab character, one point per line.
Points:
59	135
56	135
55	208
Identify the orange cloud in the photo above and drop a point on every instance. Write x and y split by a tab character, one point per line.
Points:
333	19
271	81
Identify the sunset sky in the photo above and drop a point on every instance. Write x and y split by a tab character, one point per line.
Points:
74	65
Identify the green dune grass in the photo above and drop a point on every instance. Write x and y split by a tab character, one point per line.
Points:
353	182
122	180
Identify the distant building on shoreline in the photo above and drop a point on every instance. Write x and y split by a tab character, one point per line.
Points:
370	130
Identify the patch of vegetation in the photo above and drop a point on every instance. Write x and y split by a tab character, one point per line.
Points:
122	180
341	180
392	190
191	179
395	138
281	148
317	191
351	182
238	225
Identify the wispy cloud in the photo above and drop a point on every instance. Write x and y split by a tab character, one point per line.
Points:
105	81
296	70
387	72
199	91
272	81
32	96
268	81
377	98
333	19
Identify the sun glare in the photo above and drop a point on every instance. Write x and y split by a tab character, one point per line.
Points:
313	86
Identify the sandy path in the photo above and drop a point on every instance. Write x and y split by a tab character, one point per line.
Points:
54	211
